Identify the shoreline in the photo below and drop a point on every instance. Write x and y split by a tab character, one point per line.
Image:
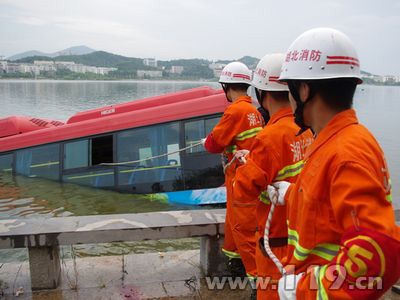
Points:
160	80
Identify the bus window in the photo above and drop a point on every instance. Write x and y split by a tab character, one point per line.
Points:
197	130
40	161
210	124
102	150
194	132
76	154
160	174
6	162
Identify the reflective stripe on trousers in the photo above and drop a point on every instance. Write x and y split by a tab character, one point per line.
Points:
319	275
325	250
231	254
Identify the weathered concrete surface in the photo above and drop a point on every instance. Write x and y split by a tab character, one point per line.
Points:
170	275
212	260
21	233
45	268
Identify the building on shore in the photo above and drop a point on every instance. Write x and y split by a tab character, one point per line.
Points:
149	74
177	70
151	62
40	66
217	68
3	66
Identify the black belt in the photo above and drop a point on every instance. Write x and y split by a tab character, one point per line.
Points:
273	243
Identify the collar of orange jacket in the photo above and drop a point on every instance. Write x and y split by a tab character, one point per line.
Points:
243	98
337	123
283	112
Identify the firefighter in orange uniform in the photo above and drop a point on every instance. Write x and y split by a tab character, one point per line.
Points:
276	154
236	130
343	241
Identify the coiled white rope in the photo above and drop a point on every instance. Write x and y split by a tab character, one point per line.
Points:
224	165
266	238
152	157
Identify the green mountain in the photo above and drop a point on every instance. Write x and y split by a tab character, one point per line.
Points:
197	68
249	61
76	50
97	58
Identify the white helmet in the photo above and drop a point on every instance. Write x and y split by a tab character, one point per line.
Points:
235	72
321	53
267	73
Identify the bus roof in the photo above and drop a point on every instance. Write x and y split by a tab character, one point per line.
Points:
154	113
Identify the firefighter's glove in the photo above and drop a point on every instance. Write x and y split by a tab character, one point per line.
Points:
276	192
287	286
240	155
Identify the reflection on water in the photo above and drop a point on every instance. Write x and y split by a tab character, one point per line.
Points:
22	197
31	197
61	99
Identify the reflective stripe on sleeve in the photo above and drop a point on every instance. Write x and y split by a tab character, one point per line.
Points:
264	198
231	149
290	171
248	134
325	250
389	198
284	173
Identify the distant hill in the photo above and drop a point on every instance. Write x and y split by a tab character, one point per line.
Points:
76	50
26	54
249	61
97	58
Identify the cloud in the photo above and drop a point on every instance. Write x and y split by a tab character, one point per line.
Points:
30	20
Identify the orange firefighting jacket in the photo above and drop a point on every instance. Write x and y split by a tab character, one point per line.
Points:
236	130
277	154
238	126
340	211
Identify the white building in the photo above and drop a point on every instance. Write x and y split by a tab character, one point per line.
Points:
176	70
63	64
45	65
105	71
3	66
390	78
151	62
217	68
149	74
44	62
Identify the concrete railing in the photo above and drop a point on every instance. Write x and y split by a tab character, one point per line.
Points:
43	237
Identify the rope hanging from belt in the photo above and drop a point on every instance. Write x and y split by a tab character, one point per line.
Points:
266	239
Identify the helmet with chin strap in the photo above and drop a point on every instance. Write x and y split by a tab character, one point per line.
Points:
318	54
234	73
266	75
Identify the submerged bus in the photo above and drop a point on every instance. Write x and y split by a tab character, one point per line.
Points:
119	135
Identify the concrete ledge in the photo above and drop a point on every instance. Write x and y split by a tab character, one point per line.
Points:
23	233
42	237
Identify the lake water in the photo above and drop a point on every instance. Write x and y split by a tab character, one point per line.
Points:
377	107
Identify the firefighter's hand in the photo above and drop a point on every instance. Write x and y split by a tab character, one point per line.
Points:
203	141
287	286
240	155
276	192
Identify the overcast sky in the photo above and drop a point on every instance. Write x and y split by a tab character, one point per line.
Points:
212	29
